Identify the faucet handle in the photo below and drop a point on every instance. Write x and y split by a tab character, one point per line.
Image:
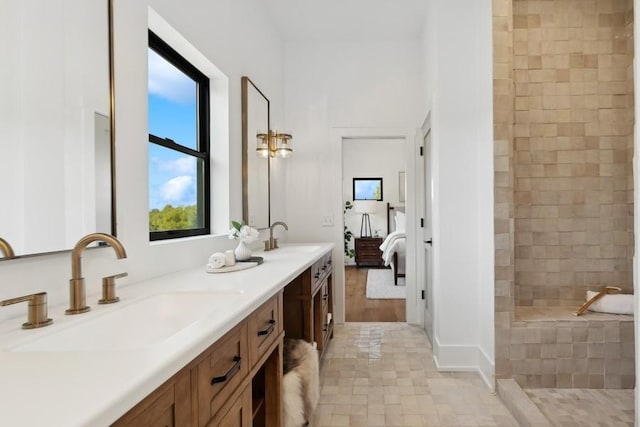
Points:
37	314
109	288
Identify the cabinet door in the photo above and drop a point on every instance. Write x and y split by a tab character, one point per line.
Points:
167	407
240	413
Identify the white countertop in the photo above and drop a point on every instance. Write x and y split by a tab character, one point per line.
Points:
95	388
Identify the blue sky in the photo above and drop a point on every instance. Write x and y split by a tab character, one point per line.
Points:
365	190
172	114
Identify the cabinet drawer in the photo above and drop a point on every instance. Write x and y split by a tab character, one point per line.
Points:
265	325
368	250
319	270
222	370
324	294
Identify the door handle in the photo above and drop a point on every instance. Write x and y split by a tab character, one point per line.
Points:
430	242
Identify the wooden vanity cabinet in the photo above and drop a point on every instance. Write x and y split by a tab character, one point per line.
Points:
169	405
308	303
221	371
237	381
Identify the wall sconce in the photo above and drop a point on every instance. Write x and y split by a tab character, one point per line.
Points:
274	144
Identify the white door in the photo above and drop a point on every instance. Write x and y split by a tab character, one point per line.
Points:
427	238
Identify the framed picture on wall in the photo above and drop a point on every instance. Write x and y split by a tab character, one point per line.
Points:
367	189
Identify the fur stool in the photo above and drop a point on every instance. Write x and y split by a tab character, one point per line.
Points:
301	382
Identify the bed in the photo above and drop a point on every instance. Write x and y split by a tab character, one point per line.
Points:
394	245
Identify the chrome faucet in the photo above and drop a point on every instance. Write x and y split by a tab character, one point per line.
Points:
273	243
6	249
77	291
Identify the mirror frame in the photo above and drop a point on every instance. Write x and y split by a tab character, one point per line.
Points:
246	81
112	137
112	113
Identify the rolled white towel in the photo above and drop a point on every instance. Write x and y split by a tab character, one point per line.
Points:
612	303
216	260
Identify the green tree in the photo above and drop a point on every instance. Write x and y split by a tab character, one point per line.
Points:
377	194
173	218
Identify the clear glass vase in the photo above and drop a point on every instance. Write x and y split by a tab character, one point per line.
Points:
242	251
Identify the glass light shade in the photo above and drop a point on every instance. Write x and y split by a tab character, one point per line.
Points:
262	150
365	206
283	145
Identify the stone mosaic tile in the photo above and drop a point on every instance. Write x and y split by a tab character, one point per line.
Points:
585	407
383	374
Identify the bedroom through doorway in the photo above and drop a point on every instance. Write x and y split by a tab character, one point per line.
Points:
374	199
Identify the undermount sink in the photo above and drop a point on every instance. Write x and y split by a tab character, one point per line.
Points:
141	324
298	248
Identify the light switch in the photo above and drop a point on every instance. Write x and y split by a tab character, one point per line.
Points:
327	221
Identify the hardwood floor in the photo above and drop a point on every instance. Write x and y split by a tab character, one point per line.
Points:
360	309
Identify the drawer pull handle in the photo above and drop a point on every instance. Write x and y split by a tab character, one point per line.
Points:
235	368
329	262
325	297
317	275
272	324
324	267
324	329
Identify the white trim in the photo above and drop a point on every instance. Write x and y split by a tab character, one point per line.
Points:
464	358
219	110
487	369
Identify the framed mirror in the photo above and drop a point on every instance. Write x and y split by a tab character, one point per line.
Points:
56	123
255	165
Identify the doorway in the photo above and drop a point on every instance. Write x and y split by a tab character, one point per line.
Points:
375	280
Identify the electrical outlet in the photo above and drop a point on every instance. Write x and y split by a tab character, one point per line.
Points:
327	221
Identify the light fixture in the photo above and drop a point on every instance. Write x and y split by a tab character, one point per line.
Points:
365	207
274	144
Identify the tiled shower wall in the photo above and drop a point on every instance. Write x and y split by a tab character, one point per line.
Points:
503	112
573	129
574	224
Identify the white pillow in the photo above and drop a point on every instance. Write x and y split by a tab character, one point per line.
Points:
401	222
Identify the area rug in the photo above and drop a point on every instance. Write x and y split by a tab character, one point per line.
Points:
380	285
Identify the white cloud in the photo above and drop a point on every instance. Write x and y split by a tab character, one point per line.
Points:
167	81
178	189
181	165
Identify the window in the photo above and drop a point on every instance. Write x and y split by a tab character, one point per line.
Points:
178	95
367	189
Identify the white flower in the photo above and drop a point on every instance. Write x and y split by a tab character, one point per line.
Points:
248	234
244	233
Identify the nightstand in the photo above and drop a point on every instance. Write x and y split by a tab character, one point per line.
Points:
368	251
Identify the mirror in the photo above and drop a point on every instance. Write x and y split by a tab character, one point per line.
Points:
56	127
255	169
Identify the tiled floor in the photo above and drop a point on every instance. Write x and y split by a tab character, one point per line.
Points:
382	374
584	407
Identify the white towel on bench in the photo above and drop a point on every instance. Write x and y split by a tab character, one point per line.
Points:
612	303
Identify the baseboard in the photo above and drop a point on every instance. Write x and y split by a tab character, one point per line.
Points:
464	358
487	369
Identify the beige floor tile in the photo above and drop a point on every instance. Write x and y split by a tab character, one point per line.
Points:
383	375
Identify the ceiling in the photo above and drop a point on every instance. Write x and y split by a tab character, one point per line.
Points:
348	20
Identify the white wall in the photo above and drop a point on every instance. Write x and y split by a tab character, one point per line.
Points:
371	158
239	41
459	94
331	87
